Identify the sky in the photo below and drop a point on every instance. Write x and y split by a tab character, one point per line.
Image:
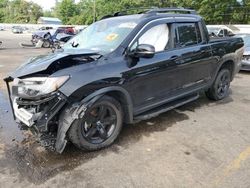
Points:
46	4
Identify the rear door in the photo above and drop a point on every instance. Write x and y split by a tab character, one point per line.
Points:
196	56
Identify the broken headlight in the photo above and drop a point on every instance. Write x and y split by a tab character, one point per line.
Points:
37	86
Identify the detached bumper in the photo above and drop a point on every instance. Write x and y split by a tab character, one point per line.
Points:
38	113
23	115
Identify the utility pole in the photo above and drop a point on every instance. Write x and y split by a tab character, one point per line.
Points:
94	11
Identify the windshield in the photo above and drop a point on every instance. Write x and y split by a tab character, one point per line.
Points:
246	39
103	36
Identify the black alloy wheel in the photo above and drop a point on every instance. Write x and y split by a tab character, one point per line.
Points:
223	84
100	125
220	88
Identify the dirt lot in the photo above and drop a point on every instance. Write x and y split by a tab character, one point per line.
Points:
202	144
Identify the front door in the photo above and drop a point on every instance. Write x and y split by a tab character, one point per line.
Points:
149	79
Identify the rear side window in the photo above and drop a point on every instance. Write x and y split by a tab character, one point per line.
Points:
187	34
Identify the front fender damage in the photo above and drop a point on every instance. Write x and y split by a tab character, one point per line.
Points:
67	118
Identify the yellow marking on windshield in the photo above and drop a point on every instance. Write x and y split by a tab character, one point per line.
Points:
112	36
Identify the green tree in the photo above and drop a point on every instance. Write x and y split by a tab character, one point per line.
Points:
3	4
213	11
48	13
21	11
242	12
65	10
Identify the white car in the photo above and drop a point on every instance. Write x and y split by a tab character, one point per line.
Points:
1	28
219	31
246	56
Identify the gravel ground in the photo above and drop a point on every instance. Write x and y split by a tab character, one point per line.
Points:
202	144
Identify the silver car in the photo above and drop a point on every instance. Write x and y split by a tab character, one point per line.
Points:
246	56
17	29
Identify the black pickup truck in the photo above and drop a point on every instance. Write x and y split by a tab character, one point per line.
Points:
121	70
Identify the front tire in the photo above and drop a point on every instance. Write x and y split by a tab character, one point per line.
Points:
46	44
99	127
221	85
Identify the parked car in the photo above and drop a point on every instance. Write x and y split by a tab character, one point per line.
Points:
218	31
246	56
17	29
67	30
1	28
58	38
45	28
51	32
122	69
42	34
50	36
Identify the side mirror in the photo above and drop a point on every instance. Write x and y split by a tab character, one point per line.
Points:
143	51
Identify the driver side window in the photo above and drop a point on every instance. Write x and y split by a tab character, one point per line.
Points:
157	36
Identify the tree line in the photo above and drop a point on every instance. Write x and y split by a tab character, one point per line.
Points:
86	11
19	11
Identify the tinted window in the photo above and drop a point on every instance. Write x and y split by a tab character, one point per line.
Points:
187	34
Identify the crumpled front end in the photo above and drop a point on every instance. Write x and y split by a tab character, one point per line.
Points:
36	105
38	112
41	115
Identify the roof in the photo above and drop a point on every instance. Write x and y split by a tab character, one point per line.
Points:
50	19
176	13
148	17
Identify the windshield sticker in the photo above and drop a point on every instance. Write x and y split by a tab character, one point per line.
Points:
127	25
112	36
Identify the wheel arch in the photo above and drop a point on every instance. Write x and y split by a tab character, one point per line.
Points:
66	117
121	95
230	65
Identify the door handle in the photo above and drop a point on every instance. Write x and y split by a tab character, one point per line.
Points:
199	52
174	58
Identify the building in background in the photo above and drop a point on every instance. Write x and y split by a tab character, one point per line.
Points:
49	20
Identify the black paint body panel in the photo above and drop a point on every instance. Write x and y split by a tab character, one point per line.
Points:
149	82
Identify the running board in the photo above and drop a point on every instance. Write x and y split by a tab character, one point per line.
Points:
164	108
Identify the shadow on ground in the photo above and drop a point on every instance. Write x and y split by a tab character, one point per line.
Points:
38	165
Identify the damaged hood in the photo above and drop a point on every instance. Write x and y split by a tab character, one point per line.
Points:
42	62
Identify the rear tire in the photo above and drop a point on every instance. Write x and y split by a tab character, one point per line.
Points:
220	87
93	132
